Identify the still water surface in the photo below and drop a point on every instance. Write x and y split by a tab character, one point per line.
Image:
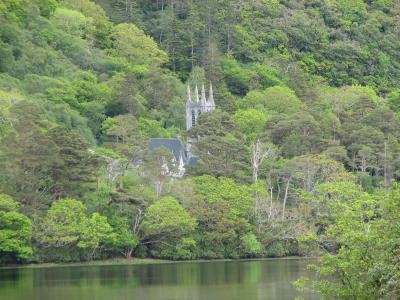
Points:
231	280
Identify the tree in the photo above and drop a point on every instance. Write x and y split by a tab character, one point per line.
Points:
277	98
250	122
220	156
128	209
223	209
67	225
26	157
297	134
42	164
394	100
96	232
75	166
101	32
365	265
12	10
121	128
153	129
159	166
125	241
15	232
166	221
72	21
365	144
221	153
140	49
259	153
63	225
128	142
306	172
216	123
237	77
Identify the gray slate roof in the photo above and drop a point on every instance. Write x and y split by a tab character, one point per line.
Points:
176	147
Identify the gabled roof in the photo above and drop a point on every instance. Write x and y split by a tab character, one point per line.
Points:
173	145
176	147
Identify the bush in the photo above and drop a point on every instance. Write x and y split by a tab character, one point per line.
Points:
277	249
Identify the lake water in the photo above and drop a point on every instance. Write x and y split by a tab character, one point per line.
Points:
217	280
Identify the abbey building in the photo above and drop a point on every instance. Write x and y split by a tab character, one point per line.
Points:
195	105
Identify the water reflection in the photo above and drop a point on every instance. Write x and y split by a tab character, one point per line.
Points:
264	279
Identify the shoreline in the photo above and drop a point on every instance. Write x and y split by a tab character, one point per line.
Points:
142	261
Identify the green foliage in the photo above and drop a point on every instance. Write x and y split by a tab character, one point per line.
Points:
27	155
223	208
63	224
7	203
307	104
47	7
67	224
394	101
96	231
75	165
237	197
15	232
71	21
167	217
221	156
95	15
364	266
251	244
278	99
268	76
13	10
297	134
132	43
124	239
250	122
184	249
153	129
276	249
237	77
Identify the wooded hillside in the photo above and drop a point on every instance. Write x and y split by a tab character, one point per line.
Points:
301	156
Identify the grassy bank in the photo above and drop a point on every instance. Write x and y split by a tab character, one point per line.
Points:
106	262
136	261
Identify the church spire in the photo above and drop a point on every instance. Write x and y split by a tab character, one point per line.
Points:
211	97
203	97
188	95
196	94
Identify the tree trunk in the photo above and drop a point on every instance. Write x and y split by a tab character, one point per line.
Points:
158	187
255	173
385	169
128	252
285	198
270	204
121	180
192	50
278	194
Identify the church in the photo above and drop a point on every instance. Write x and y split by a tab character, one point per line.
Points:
195	106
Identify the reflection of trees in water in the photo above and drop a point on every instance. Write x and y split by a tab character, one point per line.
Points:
223	280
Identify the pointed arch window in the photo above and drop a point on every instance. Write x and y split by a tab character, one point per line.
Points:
193	118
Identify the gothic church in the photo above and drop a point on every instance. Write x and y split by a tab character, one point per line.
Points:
195	106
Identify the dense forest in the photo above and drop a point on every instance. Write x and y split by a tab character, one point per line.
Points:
301	156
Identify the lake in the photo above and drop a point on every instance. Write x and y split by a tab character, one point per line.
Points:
213	280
